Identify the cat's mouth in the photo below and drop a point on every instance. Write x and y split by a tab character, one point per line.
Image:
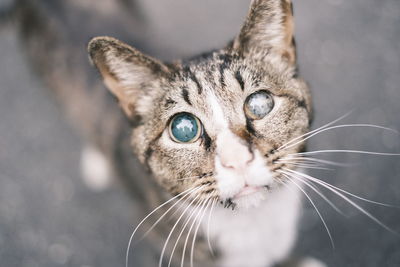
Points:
247	197
246	191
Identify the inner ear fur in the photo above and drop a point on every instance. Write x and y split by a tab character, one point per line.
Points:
268	27
124	70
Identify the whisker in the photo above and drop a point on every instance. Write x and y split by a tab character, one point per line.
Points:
310	163
195	177
208	227
347	151
182	230
318	192
307	166
338	127
195	233
327	162
179	208
316	130
369	215
343	191
188	191
172	230
170	208
187	238
315	207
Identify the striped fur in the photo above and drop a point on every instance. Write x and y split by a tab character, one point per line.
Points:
150	92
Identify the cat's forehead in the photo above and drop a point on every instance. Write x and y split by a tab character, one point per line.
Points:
224	75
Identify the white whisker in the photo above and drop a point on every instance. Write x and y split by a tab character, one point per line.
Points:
172	230
316	130
331	188
188	191
187	238
338	127
315	207
327	162
182	230
197	229
344	191
194	177
208	226
307	166
185	199
347	151
183	204
318	192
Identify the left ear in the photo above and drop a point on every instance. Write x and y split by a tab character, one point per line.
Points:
125	71
268	28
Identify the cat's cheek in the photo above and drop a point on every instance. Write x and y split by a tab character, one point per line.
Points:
176	165
139	143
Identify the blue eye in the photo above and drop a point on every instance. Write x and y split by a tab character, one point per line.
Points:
258	105
185	128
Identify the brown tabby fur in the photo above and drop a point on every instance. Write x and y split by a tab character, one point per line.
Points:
150	92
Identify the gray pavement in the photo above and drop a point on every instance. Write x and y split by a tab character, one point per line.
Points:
349	52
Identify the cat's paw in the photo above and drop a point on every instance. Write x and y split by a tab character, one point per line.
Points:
95	169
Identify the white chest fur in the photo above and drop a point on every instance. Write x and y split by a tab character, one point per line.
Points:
257	237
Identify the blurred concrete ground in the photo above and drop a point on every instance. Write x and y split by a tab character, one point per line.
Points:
349	52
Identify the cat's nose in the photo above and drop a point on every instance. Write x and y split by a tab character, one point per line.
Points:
233	153
237	161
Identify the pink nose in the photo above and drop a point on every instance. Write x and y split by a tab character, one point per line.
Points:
232	153
237	162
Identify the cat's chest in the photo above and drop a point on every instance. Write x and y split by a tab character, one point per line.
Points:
256	237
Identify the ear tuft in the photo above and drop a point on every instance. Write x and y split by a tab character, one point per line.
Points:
125	70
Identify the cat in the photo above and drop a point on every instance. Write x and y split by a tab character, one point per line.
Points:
210	128
213	136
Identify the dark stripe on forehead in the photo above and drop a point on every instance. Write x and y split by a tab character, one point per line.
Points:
169	102
185	95
239	79
193	77
225	64
210	77
222	68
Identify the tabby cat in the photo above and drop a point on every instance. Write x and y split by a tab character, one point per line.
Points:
213	135
209	130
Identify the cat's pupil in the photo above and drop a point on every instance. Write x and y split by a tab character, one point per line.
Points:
185	128
258	105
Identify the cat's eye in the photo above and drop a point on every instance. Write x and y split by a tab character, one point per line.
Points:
258	105
185	128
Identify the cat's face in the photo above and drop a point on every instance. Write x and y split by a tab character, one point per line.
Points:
215	122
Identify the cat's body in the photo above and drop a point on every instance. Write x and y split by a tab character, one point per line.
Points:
237	149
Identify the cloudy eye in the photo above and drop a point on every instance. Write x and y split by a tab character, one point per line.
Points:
258	105
185	128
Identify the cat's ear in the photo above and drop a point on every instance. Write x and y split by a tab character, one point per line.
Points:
125	70
268	28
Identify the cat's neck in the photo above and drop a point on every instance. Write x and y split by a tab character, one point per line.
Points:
260	236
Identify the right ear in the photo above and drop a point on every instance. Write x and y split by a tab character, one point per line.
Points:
125	70
268	29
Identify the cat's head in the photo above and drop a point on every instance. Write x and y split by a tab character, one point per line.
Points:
215	122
